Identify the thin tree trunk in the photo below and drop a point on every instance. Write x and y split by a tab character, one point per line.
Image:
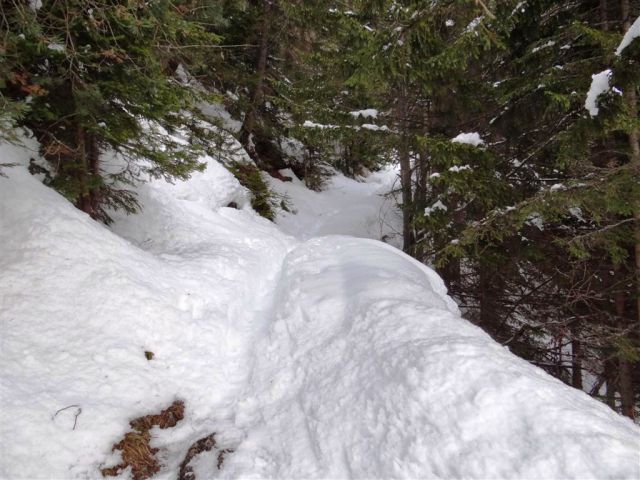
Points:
625	383
88	160
576	362
631	99
610	376
483	286
604	16
83	202
420	195
626	388
248	125
405	174
93	163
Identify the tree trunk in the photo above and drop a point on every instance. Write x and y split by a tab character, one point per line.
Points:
87	171
610	376
576	362
604	16
404	155
249	123
631	100
93	164
83	202
626	388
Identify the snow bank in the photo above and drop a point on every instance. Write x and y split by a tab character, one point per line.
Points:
80	305
599	85
629	36
369	372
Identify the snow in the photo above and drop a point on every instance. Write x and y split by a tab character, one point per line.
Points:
375	128
629	36
536	220
472	138
366	113
576	212
217	112
599	85
473	25
293	148
80	304
550	43
368	371
459	168
345	206
435	207
311	357
366	126
310	124
56	47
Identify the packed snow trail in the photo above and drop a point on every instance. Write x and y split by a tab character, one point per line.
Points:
335	357
344	207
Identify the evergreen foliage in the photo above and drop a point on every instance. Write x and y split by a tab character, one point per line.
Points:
97	75
263	200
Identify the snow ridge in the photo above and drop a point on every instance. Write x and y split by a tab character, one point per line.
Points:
369	372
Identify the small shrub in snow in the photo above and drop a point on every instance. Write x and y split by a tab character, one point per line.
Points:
262	199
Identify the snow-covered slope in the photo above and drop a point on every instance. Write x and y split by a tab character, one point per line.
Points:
80	305
333	357
369	372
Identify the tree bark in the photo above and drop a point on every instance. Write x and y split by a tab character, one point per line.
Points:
404	155
82	174
420	195
88	160
610	376
576	362
631	100
604	15
248	125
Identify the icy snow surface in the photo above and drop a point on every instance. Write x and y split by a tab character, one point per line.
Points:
332	357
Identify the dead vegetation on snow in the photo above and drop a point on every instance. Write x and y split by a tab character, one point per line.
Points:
138	454
135	447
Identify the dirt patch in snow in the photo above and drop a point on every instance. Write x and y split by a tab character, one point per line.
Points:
135	447
205	444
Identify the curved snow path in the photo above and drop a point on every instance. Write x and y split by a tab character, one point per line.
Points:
369	372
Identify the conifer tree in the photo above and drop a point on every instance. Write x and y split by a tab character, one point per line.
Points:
97	76
562	240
